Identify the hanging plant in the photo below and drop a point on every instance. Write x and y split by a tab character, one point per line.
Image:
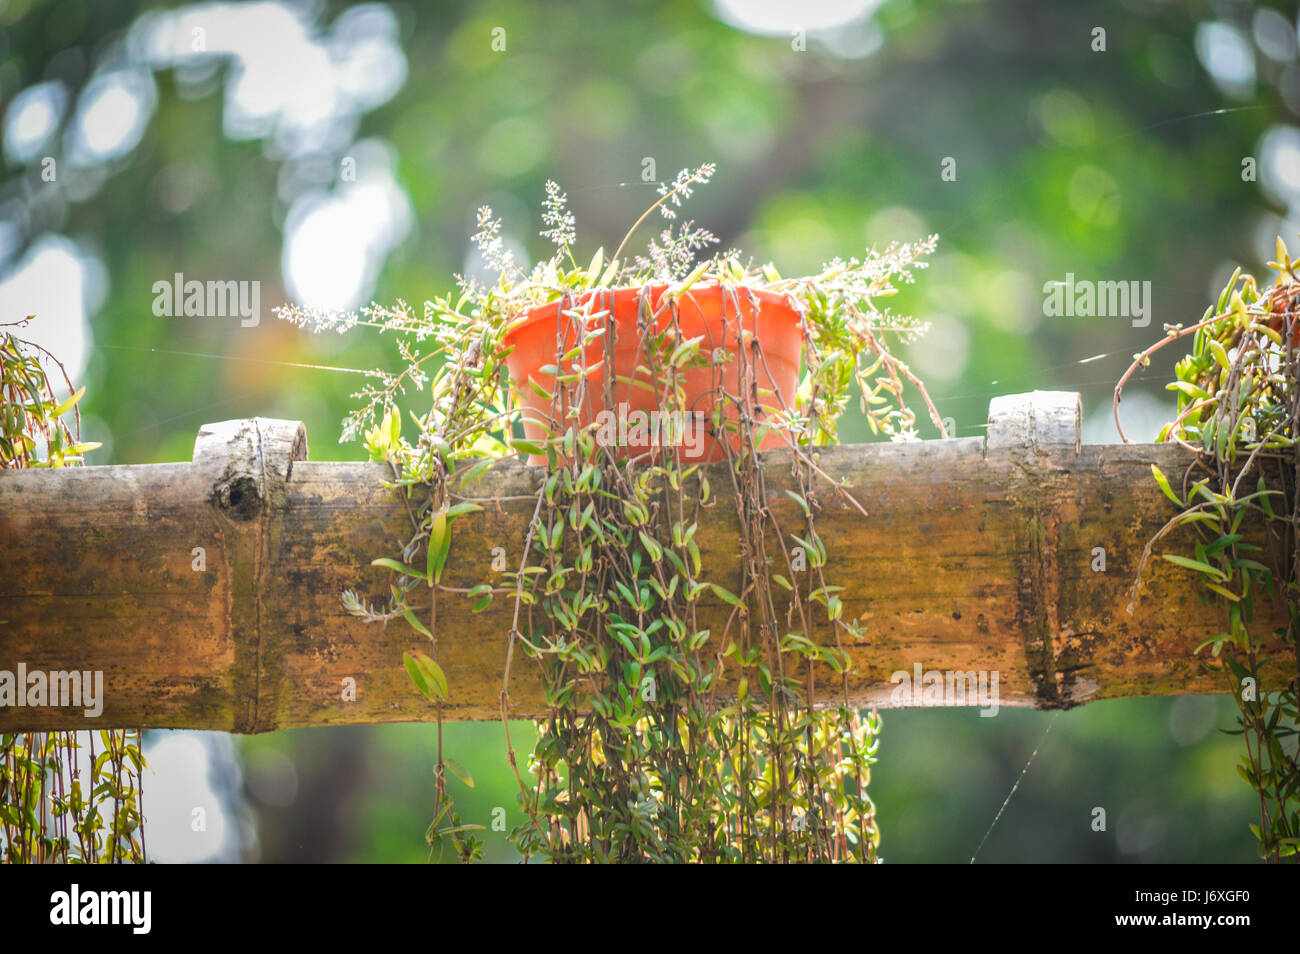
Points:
1239	414
665	739
65	797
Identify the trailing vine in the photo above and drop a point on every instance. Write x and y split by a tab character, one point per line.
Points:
666	739
63	797
1239	412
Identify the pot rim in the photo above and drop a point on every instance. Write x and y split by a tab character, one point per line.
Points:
537	312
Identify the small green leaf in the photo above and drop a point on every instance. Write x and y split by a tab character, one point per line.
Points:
652	546
398	567
419	627
689	347
394	426
439	546
1220	355
457	510
1163	481
426	674
1190	389
1224	592
484	594
457	829
678	290
67	405
417	676
1194	565
527	447
725	594
693	550
458	770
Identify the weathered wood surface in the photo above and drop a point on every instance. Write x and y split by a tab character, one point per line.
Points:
973	557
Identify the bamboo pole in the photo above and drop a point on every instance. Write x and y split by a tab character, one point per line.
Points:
208	593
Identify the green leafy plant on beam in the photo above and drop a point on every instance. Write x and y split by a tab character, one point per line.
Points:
64	799
665	740
1239	413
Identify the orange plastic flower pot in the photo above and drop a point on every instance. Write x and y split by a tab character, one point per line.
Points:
1284	302
630	416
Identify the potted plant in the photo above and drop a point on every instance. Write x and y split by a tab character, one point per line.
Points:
662	323
669	737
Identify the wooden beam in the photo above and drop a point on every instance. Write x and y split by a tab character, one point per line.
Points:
977	555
